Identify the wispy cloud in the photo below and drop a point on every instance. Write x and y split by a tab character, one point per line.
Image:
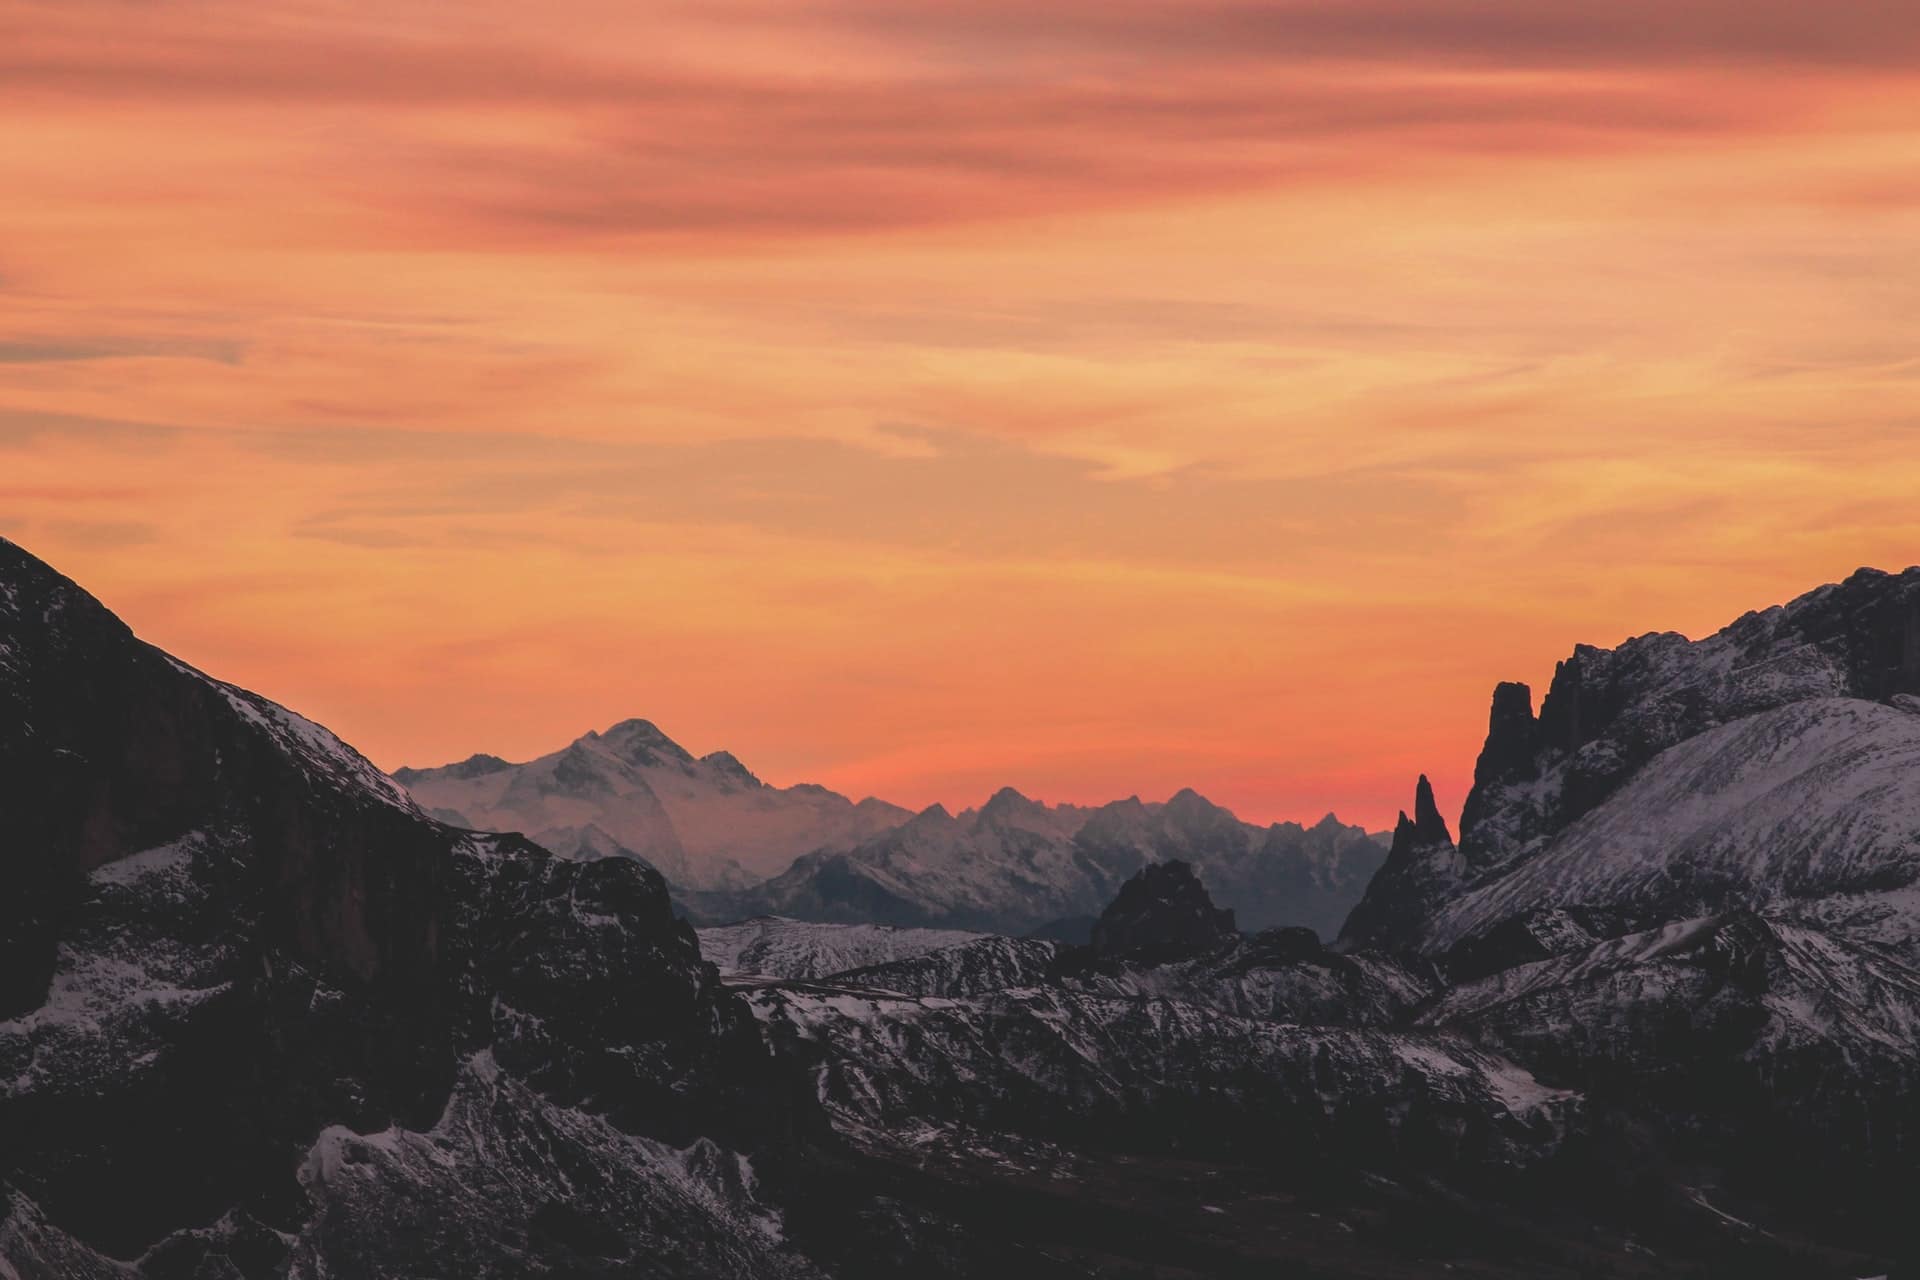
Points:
1183	391
14	351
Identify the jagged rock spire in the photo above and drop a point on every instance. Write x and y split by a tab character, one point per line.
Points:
1510	755
1421	868
1428	826
1511	735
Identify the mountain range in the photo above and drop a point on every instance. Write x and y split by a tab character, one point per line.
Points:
1655	1013
734	847
1015	866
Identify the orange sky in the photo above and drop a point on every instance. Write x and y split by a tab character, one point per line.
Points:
1099	396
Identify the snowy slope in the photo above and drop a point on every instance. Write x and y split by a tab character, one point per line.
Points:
1791	1052
1807	985
686	1211
1816	800
316	747
771	946
897	1070
1279	976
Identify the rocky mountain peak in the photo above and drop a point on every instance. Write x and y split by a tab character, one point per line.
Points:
1508	757
1422	864
935	816
477	765
1007	807
1509	748
1008	799
728	766
1429	827
1163	907
642	742
1195	816
706	824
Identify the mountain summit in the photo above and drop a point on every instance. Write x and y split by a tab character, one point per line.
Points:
706	823
1163	908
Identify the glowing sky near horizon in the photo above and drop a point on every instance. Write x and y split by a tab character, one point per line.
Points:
922	396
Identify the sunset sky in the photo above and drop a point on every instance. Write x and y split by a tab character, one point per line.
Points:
916	396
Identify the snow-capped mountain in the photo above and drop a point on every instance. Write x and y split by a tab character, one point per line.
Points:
735	847
1015	865
705	822
1774	764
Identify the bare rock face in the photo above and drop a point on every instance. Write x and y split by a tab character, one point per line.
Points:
776	947
964	970
1423	867
1164	908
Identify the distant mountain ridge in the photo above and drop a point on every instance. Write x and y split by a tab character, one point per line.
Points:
705	822
1015	865
737	848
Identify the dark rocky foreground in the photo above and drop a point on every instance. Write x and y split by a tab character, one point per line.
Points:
260	1016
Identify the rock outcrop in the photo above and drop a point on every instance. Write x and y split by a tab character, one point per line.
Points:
1163	909
1423	867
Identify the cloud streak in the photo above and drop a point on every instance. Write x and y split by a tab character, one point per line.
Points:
928	114
1149	393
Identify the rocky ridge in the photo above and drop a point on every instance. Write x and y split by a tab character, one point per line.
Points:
1769	764
1015	866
